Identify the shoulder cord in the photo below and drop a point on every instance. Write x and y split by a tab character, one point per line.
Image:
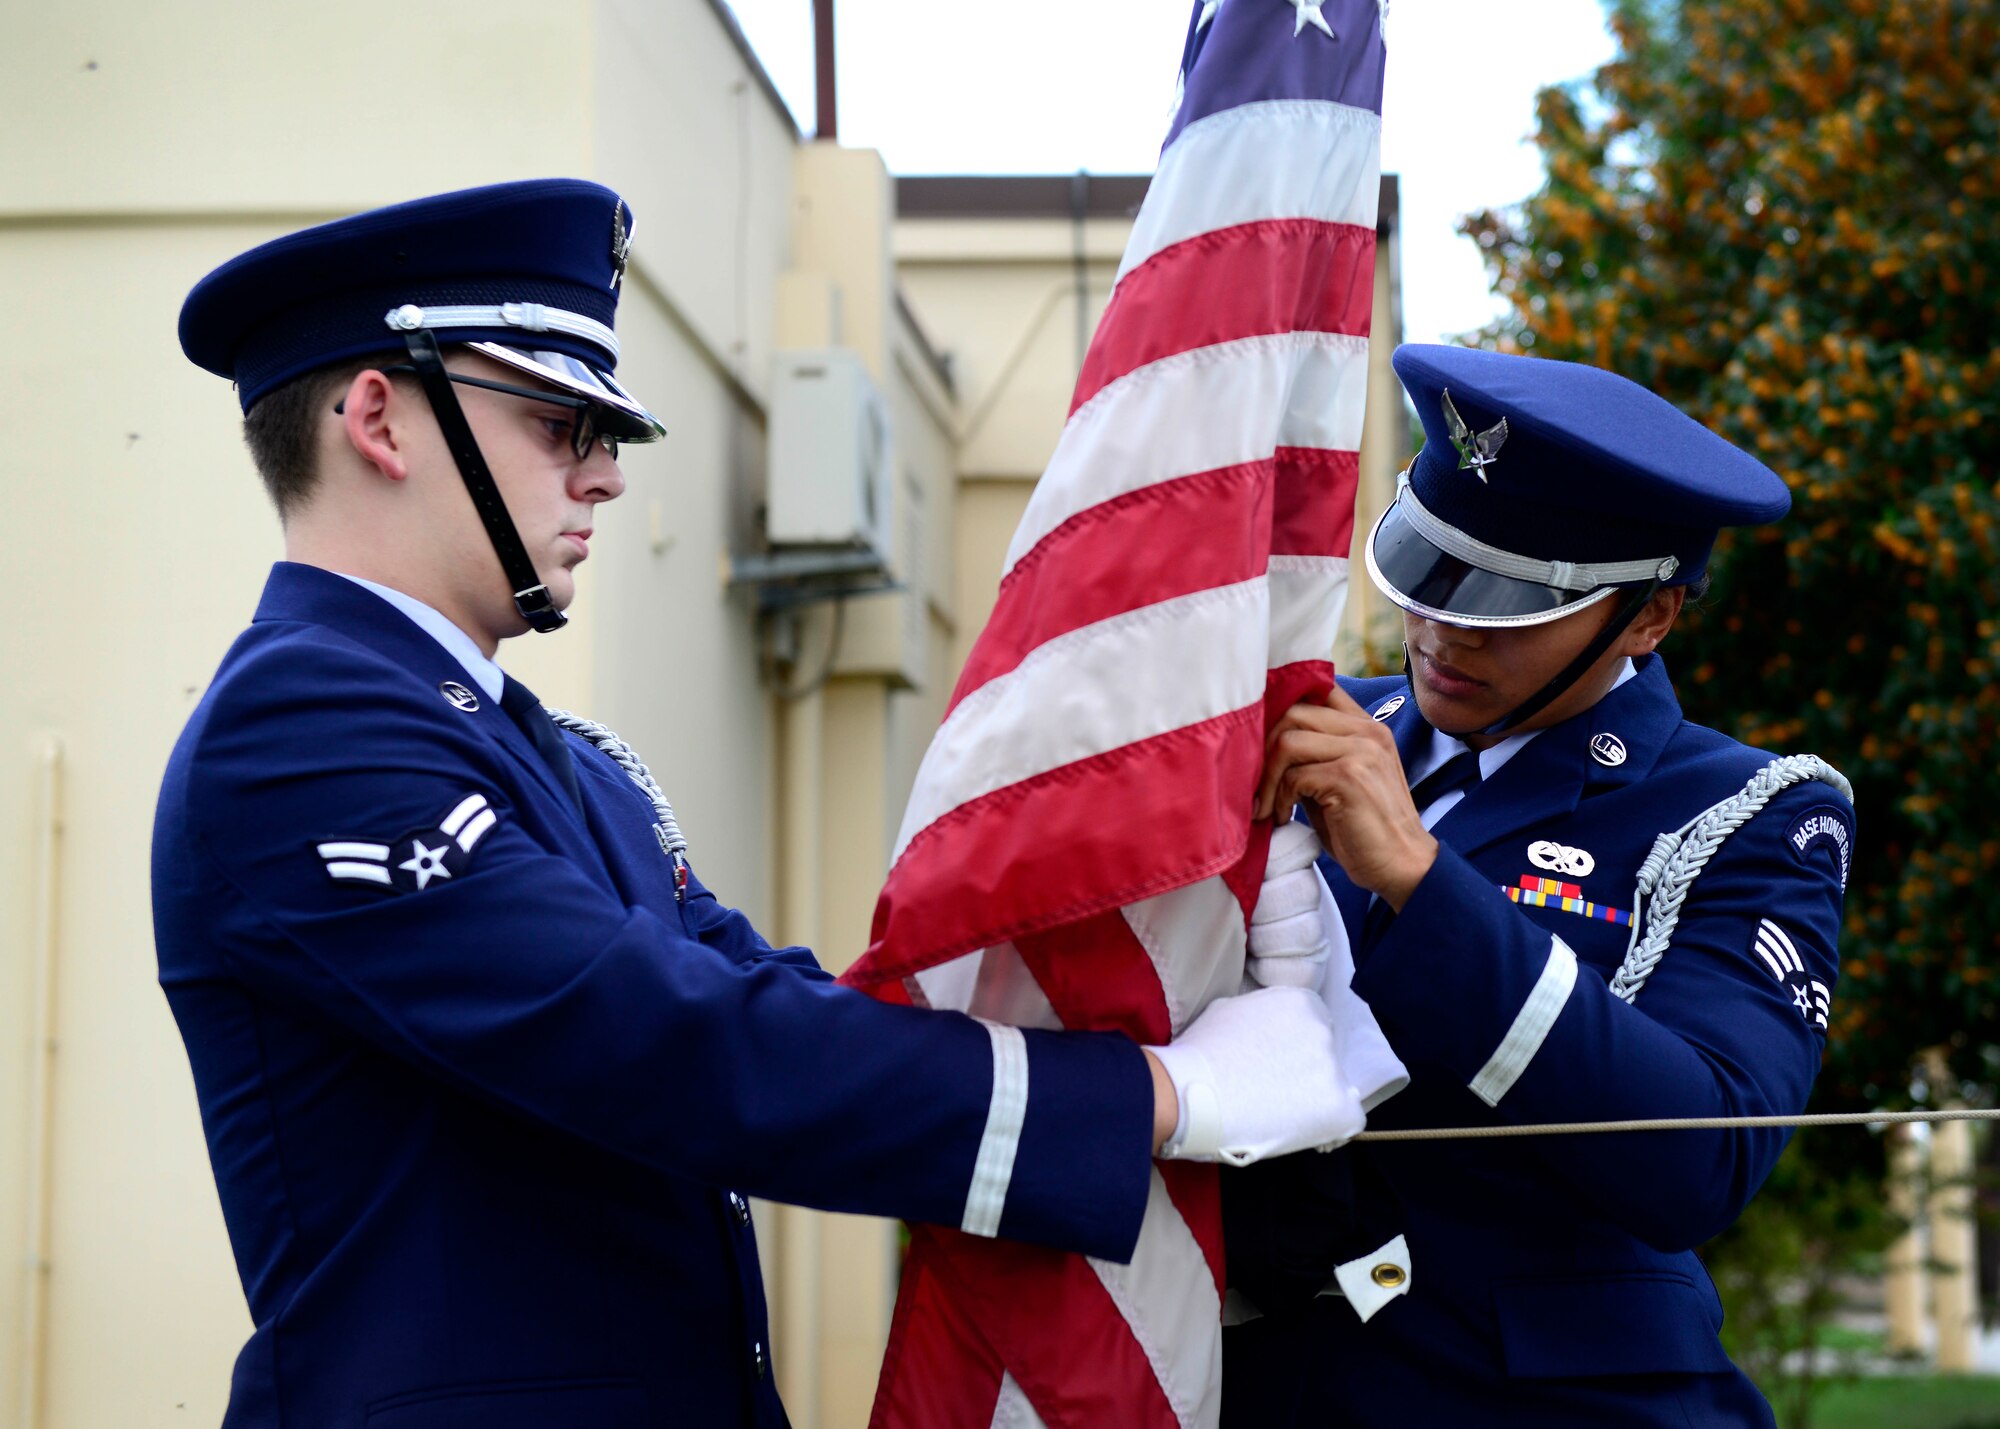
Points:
1679	857
666	827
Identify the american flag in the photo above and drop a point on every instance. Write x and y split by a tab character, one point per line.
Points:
1078	850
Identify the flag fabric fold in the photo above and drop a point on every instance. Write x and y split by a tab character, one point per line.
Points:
1077	851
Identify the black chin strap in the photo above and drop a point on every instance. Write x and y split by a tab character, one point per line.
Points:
1569	674
1573	671
531	597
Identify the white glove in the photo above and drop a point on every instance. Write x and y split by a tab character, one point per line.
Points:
1259	1075
1288	937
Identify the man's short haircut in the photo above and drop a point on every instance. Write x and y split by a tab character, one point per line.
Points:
282	429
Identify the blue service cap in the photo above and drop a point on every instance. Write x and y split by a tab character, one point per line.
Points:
1544	486
526	273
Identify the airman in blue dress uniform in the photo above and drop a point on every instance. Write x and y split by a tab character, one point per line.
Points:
1565	903
486	1072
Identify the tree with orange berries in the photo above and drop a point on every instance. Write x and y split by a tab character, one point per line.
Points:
1784	216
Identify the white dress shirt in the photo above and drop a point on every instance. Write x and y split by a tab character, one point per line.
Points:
460	646
1444	746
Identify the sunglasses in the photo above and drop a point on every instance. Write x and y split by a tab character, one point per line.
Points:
583	432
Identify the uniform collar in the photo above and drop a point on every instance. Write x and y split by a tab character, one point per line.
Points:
460	646
312	595
1550	775
1443	746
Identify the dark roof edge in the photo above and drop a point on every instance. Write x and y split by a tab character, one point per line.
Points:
734	30
1052	196
1019	195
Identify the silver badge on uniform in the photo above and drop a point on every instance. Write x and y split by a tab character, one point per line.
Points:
458	696
1608	750
1560	858
1391	707
621	245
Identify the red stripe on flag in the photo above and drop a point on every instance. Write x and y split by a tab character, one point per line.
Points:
1080	1367
1313	505
1280	275
937	1370
1196	1191
1097	976
1208	529
1034	855
1041	852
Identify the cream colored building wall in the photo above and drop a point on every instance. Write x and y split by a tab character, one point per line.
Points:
999	295
148	143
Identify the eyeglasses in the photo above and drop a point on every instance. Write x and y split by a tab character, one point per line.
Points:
583	433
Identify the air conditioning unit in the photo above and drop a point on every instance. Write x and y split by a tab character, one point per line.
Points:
830	464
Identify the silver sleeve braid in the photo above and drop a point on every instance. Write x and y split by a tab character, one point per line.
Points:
1678	858
666	827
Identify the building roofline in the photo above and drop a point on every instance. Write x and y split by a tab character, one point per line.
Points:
1052	196
747	51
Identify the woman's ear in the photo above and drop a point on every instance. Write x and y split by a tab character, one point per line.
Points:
1645	633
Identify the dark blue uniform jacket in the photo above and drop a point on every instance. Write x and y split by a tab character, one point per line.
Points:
483	1101
1552	1281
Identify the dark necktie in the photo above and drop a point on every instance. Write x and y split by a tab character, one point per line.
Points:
526	711
1461	771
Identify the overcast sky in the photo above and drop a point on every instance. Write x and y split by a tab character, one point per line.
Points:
1052	86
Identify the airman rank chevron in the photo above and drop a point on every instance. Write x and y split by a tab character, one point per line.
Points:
1809	995
415	861
1538	892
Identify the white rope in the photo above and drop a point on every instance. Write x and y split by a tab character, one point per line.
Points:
1680	1123
1678	858
666	827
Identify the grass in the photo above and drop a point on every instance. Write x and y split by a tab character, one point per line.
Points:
1912	1402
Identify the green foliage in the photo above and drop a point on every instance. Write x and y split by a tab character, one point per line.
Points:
1916	1402
1779	214
1779	1267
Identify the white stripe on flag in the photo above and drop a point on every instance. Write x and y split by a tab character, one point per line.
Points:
1139	674
1279	158
1167	1297
992	983
993	1169
1194	935
1201	410
1764	952
1012	1410
1308	597
1531	1026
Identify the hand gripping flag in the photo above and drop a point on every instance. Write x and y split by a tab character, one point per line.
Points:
1078	849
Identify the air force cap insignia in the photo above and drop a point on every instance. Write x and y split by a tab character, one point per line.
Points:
1476	450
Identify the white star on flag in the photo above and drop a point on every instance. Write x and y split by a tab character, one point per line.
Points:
1308	14
427	863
